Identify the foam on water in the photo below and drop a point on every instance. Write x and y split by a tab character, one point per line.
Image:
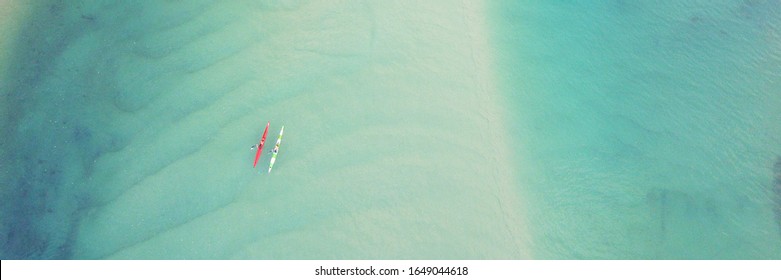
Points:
647	129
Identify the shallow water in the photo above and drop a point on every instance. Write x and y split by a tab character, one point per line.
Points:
649	129
532	129
132	134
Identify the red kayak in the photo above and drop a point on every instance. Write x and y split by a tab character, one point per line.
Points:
260	146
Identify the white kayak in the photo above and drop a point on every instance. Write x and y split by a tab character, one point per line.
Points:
275	151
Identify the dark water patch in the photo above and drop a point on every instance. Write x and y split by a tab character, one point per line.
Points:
28	203
42	38
88	17
92	144
681	221
64	75
39	187
39	198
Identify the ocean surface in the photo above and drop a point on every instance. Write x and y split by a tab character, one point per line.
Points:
649	129
413	130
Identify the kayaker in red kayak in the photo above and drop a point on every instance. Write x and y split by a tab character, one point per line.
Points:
260	146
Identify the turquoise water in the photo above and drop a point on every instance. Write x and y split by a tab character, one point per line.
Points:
558	130
650	128
132	124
